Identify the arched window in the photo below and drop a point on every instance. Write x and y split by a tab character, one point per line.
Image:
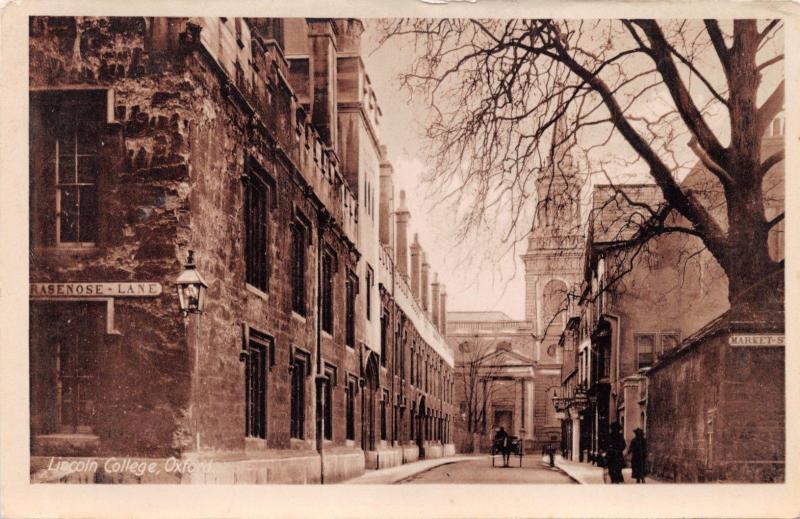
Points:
554	303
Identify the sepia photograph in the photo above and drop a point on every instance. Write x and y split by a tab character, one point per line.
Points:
381	250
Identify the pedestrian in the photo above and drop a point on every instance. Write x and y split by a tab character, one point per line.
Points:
638	452
501	444
615	453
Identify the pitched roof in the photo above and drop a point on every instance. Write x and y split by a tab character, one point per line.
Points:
618	211
489	315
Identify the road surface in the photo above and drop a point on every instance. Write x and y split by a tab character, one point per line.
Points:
480	470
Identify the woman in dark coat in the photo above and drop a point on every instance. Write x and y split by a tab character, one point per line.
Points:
638	452
615	453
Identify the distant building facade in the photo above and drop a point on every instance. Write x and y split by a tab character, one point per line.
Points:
522	357
254	143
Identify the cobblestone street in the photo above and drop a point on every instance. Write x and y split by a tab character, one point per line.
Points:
480	471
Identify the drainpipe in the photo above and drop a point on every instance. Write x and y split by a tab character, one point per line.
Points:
323	219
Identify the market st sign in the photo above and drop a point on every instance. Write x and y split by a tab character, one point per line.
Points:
116	289
767	340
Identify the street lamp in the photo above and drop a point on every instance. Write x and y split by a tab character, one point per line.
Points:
191	288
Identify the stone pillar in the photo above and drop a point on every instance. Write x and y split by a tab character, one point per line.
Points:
435	301
423	286
322	43
401	228
415	263
576	439
386	207
443	311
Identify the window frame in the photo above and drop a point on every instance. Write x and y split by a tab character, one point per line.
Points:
300	236
350	309
351	390
655	341
51	106
257	180
300	365
328	290
266	344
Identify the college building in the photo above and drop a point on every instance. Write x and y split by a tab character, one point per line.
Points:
218	271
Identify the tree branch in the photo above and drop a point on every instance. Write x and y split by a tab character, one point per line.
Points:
723	53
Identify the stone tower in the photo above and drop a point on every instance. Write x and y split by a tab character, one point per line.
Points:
555	244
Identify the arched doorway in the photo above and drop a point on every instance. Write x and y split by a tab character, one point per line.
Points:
421	424
368	399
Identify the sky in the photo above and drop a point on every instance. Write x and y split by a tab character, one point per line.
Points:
471	284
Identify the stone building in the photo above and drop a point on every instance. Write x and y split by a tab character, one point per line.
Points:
520	360
253	143
648	344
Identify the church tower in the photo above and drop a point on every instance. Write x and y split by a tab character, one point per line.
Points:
555	245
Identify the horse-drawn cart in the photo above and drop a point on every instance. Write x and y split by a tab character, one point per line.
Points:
506	447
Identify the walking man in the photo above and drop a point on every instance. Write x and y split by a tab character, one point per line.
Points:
615	454
638	452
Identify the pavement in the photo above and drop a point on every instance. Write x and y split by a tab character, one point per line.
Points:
395	474
588	474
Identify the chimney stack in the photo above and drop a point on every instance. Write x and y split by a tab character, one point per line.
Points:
415	260
401	223
424	281
435	301
443	312
322	36
386	209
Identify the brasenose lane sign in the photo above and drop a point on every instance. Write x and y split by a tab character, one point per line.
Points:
114	289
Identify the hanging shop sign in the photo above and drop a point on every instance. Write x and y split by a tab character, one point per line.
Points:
115	289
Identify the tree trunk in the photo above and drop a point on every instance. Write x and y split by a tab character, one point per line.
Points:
755	281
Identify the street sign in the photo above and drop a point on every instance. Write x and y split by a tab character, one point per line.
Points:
753	340
115	289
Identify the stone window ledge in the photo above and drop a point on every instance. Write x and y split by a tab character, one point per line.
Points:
256	291
66	444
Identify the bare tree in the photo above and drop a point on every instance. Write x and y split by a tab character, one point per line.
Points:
675	91
476	374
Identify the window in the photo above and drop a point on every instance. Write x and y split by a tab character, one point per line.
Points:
66	341
645	348
256	385
384	338
328	270
327	420
299	373
350	310
384	403
350	409
66	139
256	214
299	244
369	282
669	342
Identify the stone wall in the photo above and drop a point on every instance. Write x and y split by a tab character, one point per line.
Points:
716	412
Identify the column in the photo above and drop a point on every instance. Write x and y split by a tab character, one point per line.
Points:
576	438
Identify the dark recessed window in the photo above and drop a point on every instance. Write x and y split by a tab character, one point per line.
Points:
384	403
350	410
350	310
384	338
370	280
328	270
299	246
256	383
66	139
298	421
256	214
328	400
